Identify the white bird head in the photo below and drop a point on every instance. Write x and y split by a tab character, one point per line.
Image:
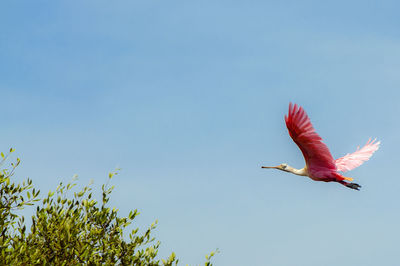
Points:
282	166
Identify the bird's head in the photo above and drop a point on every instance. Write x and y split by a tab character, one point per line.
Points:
282	166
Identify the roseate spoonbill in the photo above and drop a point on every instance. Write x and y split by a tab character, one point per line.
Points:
320	165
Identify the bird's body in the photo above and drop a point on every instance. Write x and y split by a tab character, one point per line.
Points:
320	165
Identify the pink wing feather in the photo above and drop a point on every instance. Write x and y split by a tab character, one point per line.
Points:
315	152
357	158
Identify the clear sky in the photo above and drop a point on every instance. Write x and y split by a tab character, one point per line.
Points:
188	98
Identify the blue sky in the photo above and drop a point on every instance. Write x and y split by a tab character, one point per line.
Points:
188	98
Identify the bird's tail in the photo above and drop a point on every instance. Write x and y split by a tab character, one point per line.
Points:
348	178
339	177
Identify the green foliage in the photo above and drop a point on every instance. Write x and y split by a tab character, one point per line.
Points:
12	228
71	230
208	257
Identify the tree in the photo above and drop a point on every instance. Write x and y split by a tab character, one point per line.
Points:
70	231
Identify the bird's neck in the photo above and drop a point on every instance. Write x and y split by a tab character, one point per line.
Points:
302	172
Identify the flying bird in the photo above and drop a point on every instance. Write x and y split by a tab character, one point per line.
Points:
320	165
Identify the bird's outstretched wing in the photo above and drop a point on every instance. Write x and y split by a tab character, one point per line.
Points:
357	158
315	152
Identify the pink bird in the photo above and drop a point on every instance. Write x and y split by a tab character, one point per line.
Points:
320	165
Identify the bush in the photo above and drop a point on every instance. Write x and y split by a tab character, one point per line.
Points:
70	231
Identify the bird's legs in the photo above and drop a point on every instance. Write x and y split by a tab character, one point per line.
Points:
350	185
